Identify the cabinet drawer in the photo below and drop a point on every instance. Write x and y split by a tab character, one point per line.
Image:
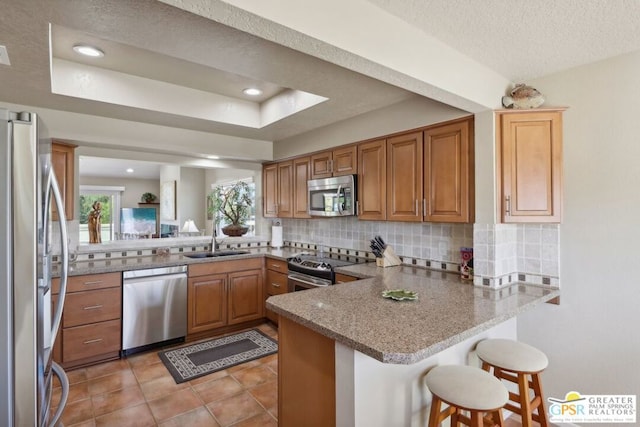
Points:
88	282
276	283
344	278
276	265
92	340
92	306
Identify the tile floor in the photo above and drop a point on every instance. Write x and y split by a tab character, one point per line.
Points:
139	391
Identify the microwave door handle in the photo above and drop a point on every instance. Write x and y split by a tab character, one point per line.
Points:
64	266
338	199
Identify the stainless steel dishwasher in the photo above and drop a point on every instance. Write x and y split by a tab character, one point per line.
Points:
154	307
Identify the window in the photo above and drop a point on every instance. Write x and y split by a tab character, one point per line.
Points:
109	198
221	221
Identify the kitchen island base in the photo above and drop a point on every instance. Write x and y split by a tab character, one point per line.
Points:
325	383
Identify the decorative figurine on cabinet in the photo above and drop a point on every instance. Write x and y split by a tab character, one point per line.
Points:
94	223
523	97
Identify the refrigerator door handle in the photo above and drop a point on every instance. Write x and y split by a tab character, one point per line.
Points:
64	265
64	382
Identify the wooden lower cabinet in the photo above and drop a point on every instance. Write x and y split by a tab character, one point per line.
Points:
344	278
245	301
207	303
91	321
91	341
275	283
306	377
224	293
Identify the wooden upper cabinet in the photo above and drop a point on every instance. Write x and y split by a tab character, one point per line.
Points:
448	173
62	162
270	190
321	165
284	208
337	162
300	192
530	166
372	180
404	177
277	187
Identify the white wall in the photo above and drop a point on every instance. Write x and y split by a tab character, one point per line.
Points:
593	338
192	196
414	113
134	188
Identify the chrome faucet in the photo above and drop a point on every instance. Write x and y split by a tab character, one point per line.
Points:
214	242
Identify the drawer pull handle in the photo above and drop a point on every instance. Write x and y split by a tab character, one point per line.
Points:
92	307
92	341
275	285
275	266
95	282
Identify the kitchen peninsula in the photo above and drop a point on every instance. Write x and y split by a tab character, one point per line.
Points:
350	357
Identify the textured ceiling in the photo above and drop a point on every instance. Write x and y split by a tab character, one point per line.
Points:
186	43
524	39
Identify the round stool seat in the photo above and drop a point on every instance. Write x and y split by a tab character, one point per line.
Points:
467	387
511	355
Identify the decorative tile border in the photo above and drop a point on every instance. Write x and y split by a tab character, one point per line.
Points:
508	279
410	261
131	253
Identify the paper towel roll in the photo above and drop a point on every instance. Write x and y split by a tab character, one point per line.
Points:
276	236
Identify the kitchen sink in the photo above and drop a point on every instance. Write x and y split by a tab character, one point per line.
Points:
215	254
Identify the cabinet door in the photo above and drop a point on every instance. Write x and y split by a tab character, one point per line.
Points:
300	193
404	177
344	161
372	180
321	165
270	190
284	208
531	166
206	303
245	296
448	173
62	163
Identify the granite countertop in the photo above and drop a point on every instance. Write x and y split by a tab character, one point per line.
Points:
157	261
447	311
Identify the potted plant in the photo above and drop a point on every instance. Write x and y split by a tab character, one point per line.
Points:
233	204
149	197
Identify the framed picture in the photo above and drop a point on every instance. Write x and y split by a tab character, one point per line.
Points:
168	200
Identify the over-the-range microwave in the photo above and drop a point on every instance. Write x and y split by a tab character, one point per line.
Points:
334	196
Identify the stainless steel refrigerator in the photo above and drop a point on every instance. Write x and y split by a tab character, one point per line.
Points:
28	322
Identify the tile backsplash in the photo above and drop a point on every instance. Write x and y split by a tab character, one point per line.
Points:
505	253
428	241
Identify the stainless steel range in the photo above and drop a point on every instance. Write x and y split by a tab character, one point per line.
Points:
312	271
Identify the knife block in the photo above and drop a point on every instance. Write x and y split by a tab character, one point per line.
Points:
389	258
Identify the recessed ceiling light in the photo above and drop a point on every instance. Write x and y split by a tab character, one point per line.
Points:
252	91
213	157
87	50
129	170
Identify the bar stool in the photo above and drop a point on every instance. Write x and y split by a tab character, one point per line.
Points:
465	388
514	361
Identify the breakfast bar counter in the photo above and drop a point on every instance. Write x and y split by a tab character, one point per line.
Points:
446	312
349	357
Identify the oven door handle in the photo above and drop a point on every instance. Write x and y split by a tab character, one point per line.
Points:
301	279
